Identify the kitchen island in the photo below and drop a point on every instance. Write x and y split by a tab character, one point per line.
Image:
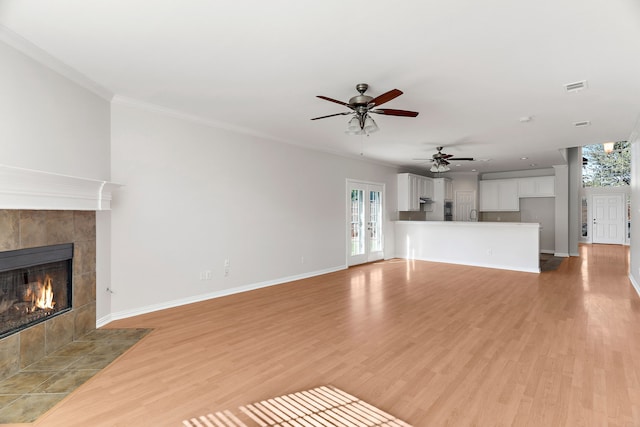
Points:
503	245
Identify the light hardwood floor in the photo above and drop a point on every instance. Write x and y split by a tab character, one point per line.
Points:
433	344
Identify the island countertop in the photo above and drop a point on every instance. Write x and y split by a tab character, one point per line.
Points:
504	245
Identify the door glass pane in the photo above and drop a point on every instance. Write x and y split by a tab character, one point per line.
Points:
375	213
357	222
629	216
585	218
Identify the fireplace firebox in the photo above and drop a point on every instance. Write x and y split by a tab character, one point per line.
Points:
35	285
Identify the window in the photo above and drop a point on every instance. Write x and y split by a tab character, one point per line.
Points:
600	169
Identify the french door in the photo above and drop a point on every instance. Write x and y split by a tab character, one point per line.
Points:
365	236
608	218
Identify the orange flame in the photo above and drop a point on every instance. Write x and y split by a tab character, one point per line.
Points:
45	294
42	296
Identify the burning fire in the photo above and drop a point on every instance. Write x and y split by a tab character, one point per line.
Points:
41	294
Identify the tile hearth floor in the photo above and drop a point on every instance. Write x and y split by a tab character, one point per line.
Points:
37	388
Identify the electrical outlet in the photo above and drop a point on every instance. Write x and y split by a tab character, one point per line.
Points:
208	275
489	251
302	260
227	266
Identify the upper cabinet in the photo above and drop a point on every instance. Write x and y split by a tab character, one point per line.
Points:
448	189
442	189
499	195
537	186
505	194
411	188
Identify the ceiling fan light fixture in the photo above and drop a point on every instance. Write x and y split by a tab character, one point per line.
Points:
369	125
353	127
439	168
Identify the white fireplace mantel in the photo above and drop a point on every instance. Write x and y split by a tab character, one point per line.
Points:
31	189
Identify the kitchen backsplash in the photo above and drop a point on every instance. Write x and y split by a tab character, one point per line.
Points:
412	216
500	216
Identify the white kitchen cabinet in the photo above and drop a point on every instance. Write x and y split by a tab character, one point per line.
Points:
411	188
427	187
499	195
488	196
537	186
442	191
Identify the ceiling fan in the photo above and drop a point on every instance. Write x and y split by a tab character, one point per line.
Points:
361	105
441	160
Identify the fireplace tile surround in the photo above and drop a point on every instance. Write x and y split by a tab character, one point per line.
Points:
21	229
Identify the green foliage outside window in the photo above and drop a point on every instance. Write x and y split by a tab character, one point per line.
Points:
600	169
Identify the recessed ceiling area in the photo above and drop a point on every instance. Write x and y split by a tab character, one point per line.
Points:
495	81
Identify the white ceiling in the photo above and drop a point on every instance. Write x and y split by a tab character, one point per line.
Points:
471	68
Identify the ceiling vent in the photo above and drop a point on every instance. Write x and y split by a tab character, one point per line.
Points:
582	124
575	86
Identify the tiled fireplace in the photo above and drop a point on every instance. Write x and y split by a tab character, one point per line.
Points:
52	328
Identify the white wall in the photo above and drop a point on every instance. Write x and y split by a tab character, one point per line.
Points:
50	123
634	268
542	211
562	211
195	196
574	161
464	181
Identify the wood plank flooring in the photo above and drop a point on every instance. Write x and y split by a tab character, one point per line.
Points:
433	344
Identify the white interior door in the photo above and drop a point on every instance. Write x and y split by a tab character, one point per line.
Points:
608	219
465	206
365	236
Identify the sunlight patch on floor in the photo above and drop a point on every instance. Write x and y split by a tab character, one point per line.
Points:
324	406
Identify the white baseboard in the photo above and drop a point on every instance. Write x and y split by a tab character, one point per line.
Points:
635	284
547	251
103	321
217	294
561	254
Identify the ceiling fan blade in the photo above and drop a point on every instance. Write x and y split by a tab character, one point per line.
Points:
391	112
334	100
331	115
386	97
461	158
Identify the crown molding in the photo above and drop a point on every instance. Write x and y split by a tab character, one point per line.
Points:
41	56
181	115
